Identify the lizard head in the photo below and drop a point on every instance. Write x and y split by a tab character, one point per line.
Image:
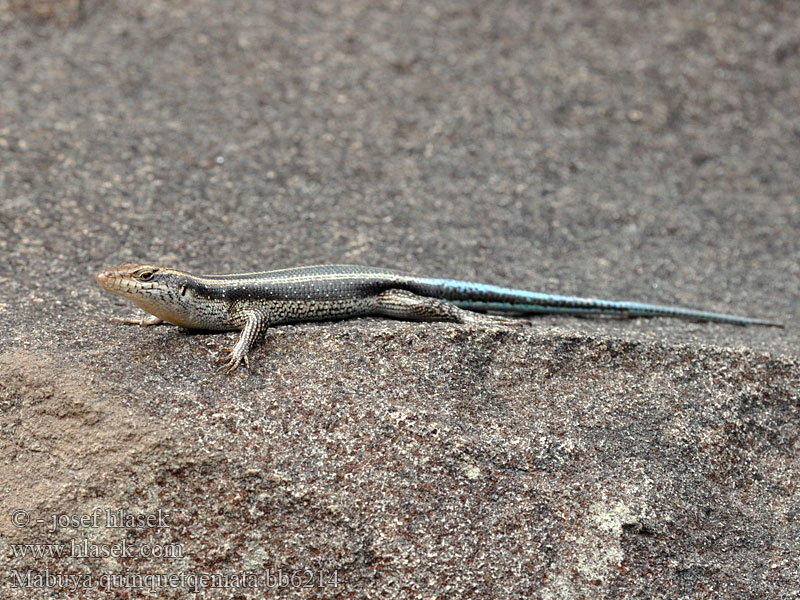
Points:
132	280
165	293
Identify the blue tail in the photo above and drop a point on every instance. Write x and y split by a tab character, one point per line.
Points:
484	297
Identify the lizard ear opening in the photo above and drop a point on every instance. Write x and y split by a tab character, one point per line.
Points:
183	289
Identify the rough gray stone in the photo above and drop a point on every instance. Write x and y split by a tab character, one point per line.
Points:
643	151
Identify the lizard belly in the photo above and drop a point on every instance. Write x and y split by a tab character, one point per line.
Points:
196	319
289	311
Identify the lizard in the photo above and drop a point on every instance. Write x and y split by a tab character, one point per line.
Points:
252	302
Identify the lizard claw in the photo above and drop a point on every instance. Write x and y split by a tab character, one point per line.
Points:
142	322
230	362
484	319
510	322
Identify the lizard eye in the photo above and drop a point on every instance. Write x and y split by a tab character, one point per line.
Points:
145	275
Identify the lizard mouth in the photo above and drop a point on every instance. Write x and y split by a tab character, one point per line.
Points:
110	280
116	280
123	277
107	280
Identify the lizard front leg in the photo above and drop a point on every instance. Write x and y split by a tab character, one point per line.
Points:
143	322
256	323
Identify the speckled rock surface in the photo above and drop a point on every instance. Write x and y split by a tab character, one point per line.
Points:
628	151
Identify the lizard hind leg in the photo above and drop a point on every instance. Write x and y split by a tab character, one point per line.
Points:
402	304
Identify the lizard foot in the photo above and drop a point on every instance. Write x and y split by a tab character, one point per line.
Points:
228	364
143	322
484	319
